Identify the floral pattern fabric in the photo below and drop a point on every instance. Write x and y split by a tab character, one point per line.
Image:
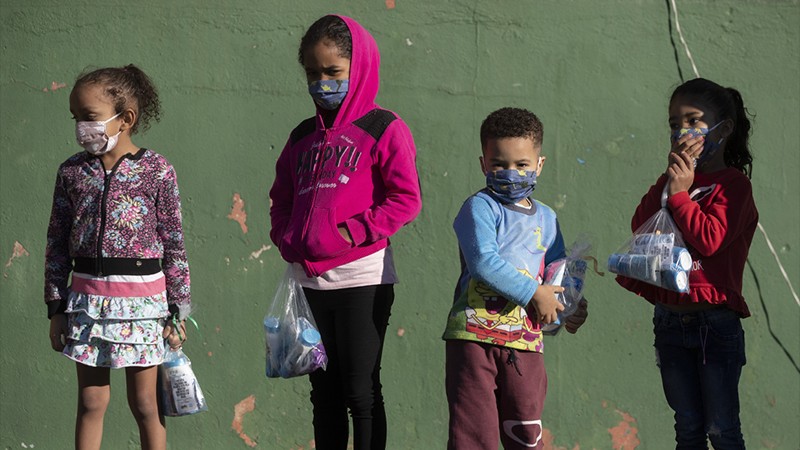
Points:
116	331
137	205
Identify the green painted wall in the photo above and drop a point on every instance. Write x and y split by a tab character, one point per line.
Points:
598	74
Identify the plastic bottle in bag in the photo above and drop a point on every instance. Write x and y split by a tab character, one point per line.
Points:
272	329
180	392
303	355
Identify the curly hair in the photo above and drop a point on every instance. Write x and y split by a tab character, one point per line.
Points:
332	28
726	103
510	123
128	87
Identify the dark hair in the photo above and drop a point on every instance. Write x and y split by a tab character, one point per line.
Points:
727	104
128	87
327	27
512	122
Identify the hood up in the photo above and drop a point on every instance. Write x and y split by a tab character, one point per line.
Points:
365	63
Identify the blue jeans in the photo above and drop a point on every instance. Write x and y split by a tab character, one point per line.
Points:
701	357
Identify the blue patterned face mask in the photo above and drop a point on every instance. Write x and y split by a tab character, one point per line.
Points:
328	94
511	185
709	147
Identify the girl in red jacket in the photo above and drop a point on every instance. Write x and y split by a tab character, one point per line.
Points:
699	339
345	182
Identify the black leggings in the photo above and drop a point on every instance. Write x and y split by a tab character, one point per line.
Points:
353	324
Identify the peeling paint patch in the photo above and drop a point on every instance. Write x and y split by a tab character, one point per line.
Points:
18	252
624	435
401	331
408	42
771	400
54	87
390	4
243	407
561	201
237	212
548	439
256	254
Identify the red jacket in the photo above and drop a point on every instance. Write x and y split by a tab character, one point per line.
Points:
718	218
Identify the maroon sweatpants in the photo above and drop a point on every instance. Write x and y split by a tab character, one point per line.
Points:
495	394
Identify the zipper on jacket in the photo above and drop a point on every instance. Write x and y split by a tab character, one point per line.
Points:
314	181
100	237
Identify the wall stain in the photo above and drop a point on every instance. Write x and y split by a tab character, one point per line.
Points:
390	4
624	435
243	407
237	212
18	252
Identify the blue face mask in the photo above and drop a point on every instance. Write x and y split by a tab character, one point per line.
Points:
328	94
511	186
709	147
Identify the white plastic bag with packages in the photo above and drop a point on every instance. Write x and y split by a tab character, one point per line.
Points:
655	253
293	343
179	390
570	273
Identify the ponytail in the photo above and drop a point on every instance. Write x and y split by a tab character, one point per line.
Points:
128	87
737	152
727	103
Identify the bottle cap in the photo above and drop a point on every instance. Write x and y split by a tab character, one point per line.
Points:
310	337
271	323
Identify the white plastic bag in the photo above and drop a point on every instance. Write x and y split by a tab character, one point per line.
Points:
294	346
655	254
570	273
180	392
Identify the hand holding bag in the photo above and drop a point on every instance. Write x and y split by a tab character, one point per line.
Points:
656	253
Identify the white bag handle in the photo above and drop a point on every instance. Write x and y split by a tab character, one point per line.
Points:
664	196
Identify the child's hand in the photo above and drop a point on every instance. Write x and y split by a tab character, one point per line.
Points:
692	146
58	332
345	234
680	172
545	304
573	322
175	336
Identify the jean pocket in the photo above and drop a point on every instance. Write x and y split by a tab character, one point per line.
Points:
727	329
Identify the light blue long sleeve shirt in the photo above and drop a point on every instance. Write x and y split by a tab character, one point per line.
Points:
504	249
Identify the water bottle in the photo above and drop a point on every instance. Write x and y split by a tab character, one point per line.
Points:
303	350
272	329
181	394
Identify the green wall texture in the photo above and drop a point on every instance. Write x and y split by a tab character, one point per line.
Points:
598	73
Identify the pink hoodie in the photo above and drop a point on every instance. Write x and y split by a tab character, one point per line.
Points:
343	176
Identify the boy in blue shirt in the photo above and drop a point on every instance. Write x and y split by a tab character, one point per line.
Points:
495	376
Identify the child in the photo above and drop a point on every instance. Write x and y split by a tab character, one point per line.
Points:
495	375
116	213
698	335
345	181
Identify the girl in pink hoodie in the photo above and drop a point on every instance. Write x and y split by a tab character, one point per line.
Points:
345	182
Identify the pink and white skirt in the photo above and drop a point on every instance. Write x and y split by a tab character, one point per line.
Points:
117	320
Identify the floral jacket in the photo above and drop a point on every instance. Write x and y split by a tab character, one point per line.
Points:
134	211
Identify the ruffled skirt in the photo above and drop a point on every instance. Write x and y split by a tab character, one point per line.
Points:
116	321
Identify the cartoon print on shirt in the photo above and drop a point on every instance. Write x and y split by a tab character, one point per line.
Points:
493	318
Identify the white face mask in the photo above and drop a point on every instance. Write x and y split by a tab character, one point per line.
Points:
93	138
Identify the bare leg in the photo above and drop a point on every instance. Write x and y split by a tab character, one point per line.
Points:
94	392
142	399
